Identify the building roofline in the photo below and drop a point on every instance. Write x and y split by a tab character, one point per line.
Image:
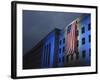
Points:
55	29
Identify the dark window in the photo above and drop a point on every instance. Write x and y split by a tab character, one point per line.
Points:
60	42
64	40
67	58
89	26
59	50
63	49
72	57
83	53
77	43
83	40
83	29
77	55
59	60
89	38
89	52
76	22
63	58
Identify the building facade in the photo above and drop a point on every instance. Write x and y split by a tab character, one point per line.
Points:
50	49
82	55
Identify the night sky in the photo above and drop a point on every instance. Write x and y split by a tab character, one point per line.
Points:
37	24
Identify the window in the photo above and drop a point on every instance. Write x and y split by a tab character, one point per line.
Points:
60	42
76	22
89	38
59	60
72	57
83	53
83	30
89	26
64	40
63	49
59	50
83	40
67	58
89	52
77	55
63	59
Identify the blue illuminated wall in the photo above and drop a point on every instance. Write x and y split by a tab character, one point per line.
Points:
85	40
61	49
50	49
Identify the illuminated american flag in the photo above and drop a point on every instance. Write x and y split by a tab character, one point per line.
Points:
71	39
